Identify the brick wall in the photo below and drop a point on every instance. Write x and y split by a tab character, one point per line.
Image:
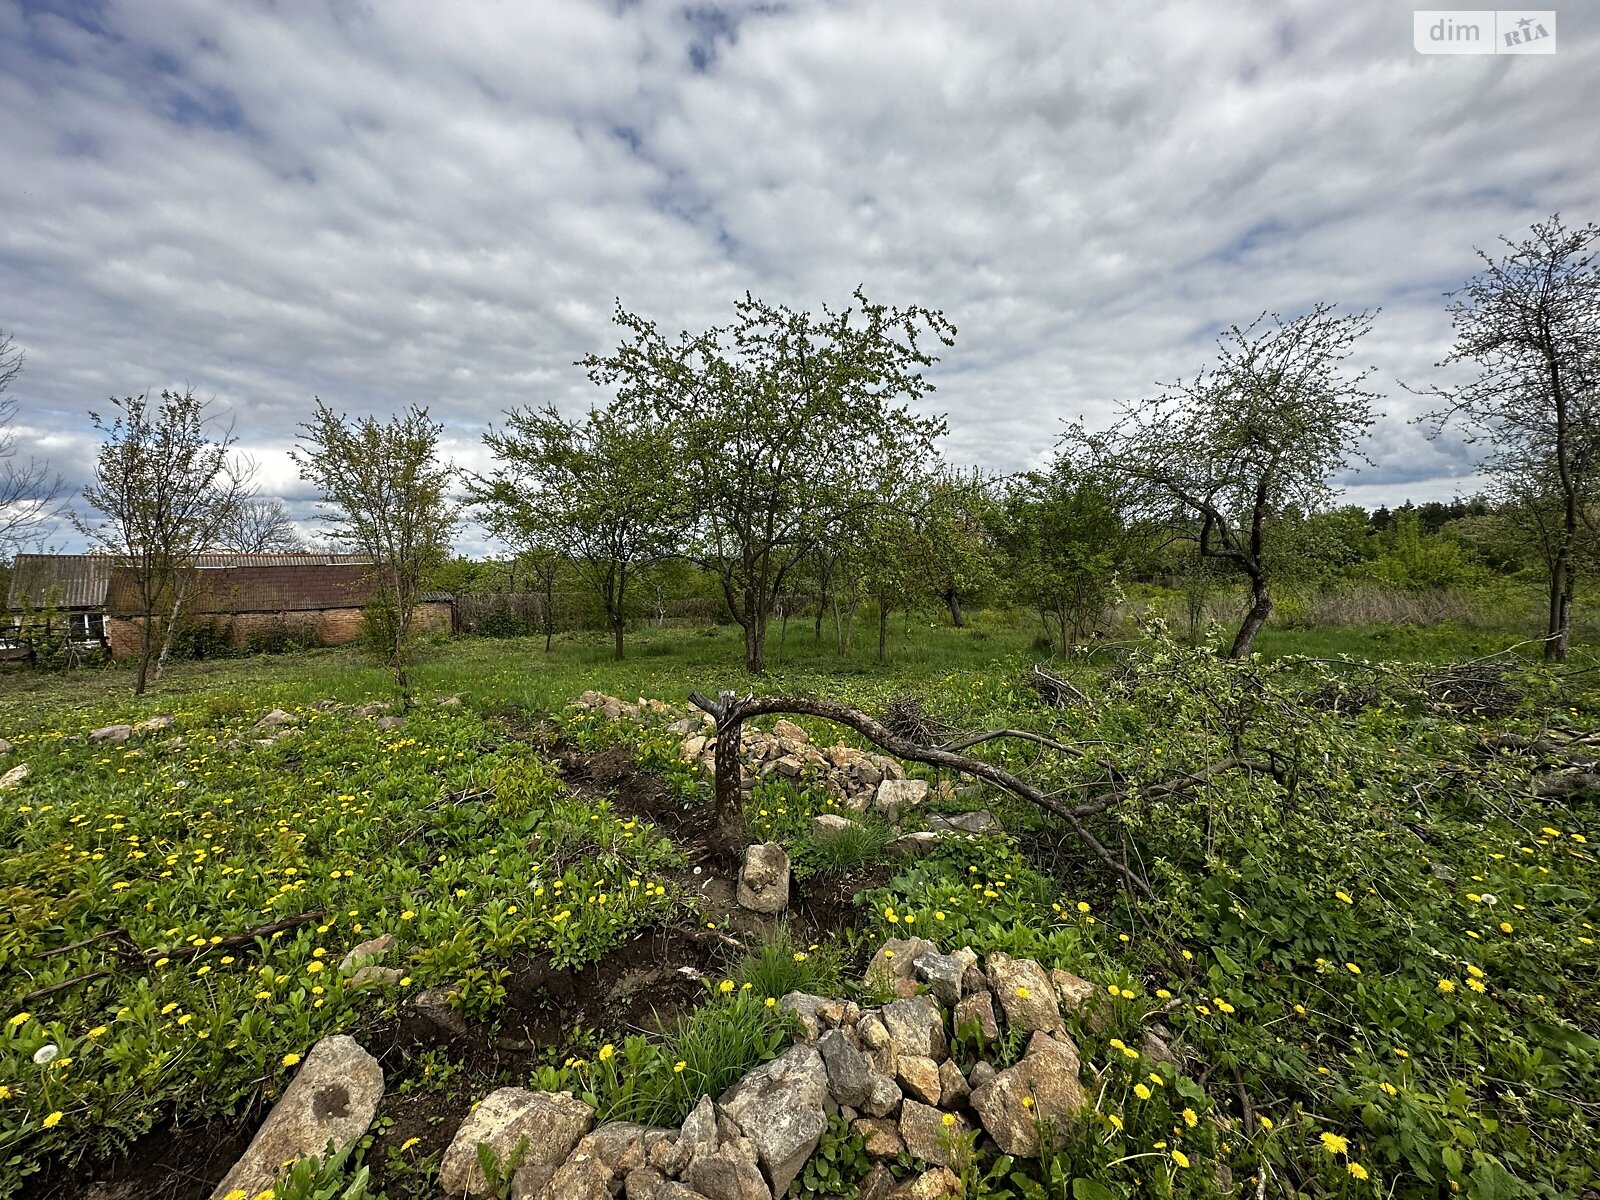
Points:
334	627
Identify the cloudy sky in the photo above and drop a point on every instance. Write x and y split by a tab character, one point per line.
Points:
394	202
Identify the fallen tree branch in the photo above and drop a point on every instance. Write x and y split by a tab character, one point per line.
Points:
730	713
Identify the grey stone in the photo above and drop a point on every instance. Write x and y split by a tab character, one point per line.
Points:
804	1006
333	1097
1082	999
14	777
937	1184
5	747
894	796
584	1176
876	1041
977	1010
788	731
541	1127
375	976
850	1076
764	879
643	1183
923	1130
275	719
1048	1073
916	1026
981	1074
111	733
894	965
827	826
729	1174
388	723
953	1089
942	973
436	1006
885	1098
783	1108
1025	993
914	845
673	1190
982	821
697	1137
878	1183
882	1137
372	951
1157	1050
154	724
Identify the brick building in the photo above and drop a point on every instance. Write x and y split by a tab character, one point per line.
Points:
244	599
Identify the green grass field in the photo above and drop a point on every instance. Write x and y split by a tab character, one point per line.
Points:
1372	937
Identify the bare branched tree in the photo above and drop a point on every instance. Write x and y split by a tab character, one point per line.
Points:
1530	322
30	492
260	526
165	483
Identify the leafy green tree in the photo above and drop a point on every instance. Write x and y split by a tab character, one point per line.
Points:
1265	427
783	424
599	492
165	485
960	558
1066	544
1530	322
385	493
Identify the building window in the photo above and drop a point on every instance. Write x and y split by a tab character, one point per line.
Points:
86	627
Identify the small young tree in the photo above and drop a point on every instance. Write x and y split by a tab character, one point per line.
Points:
1530	322
600	491
1267	426
956	522
384	492
30	493
784	423
164	485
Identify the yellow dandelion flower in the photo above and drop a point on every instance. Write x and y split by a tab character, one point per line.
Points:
1357	1171
1334	1144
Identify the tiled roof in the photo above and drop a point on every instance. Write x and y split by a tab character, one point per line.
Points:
281	587
66	580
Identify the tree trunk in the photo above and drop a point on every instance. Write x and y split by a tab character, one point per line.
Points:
1558	628
957	618
144	652
755	642
1260	609
883	633
170	634
822	607
616	638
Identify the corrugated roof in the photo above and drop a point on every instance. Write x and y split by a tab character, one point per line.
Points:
209	561
66	580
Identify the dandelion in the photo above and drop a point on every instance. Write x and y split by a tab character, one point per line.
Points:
1179	1157
1115	1121
1083	906
20	1019
1388	1089
1357	1171
1023	993
408	1143
1027	1102
679	1066
948	1120
1191	1118
607	1052
1334	1144
53	1119
771	1003
1506	927
1446	986
46	1053
725	987
290	1059
1352	968
1142	1091
1266	1122
1345	897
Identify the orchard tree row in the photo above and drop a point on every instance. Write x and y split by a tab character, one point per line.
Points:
786	456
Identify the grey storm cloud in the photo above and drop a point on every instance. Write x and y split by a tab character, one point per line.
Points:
404	202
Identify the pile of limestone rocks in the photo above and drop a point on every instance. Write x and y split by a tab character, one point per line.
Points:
857	779
887	1070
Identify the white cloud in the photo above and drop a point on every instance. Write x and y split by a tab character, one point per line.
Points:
414	203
